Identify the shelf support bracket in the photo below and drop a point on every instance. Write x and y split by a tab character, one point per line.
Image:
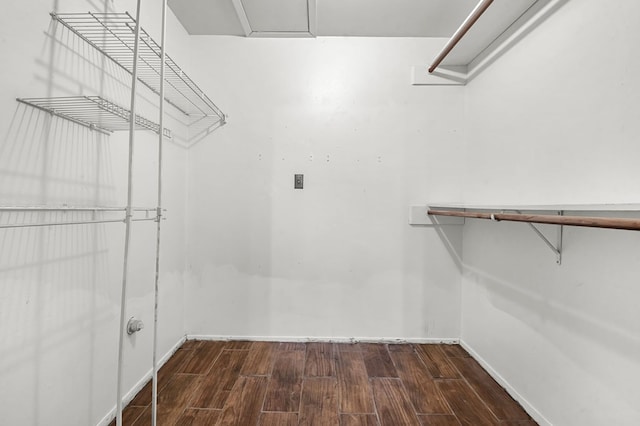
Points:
559	241
555	248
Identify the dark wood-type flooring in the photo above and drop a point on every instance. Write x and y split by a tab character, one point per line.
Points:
281	384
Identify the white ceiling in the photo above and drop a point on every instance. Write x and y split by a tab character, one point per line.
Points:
392	18
364	18
277	15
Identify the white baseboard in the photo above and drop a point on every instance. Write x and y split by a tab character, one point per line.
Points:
333	339
528	407
128	397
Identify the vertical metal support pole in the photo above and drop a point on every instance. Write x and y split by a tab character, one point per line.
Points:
127	238
154	391
559	242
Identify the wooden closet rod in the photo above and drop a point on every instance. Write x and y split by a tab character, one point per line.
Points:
592	222
457	36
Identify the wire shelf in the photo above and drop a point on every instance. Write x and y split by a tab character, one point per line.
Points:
67	208
12	217
94	112
113	34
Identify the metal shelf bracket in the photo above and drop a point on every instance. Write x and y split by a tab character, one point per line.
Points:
555	248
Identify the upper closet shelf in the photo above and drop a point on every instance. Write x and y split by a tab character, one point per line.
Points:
621	207
540	216
94	112
113	34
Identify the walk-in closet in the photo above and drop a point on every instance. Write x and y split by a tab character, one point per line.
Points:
319	212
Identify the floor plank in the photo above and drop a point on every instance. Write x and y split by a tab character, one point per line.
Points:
348	347
319	404
497	399
292	346
129	415
191	344
320	360
166	372
260	359
278	419
392	403
239	345
143	420
455	351
421	388
213	389
244	402
175	396
354	389
400	347
198	417
466	405
171	401
283	392
202	359
438	420
359	420
378	362
437	362
143	397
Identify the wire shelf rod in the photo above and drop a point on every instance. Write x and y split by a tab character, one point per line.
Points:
74	208
79	222
128	221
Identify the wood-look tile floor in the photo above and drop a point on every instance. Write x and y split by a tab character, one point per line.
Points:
281	384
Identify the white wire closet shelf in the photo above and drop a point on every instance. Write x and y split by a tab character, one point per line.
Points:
41	216
113	34
94	112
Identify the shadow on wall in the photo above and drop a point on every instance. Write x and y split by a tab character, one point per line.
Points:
451	238
530	301
537	310
539	13
235	274
59	290
58	299
586	299
73	67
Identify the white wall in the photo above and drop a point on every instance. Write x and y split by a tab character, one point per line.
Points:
336	259
60	286
555	120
